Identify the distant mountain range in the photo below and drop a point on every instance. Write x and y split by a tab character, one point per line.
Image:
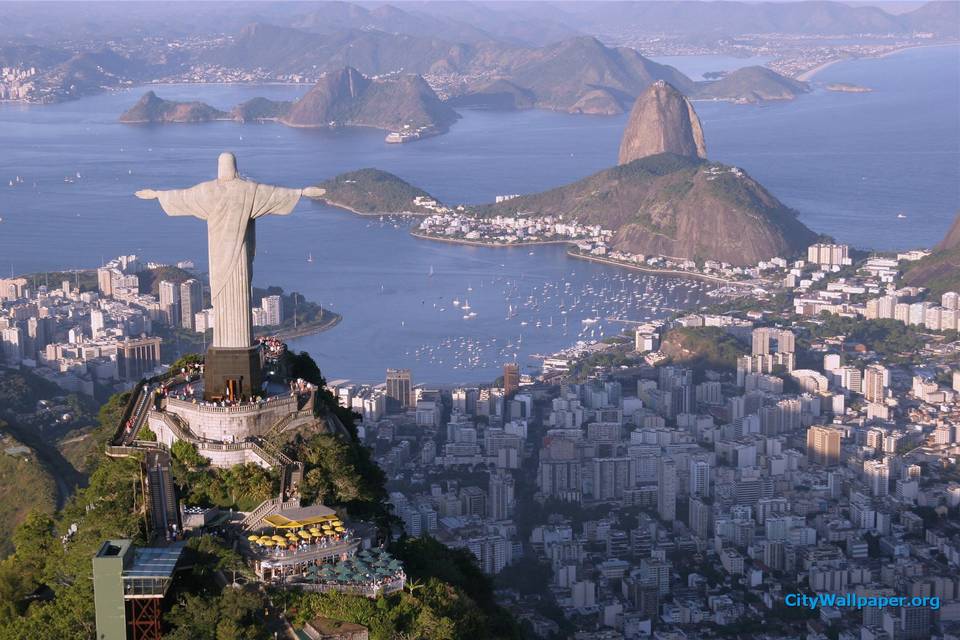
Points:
521	23
940	271
576	75
488	55
341	98
816	17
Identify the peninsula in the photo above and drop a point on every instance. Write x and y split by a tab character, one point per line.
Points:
376	192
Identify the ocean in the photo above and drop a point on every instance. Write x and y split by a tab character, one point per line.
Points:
849	163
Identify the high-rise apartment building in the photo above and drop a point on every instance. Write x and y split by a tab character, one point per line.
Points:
699	478
501	493
272	310
823	445
511	379
191	302
667	489
399	388
876	379
169	302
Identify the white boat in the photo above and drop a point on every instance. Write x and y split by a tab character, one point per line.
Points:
901	216
309	257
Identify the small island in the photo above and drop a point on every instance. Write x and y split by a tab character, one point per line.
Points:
846	87
404	106
749	85
152	109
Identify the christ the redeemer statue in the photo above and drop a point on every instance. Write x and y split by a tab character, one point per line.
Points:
230	205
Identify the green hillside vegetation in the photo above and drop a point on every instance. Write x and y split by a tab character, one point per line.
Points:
372	191
241	487
150	278
109	507
86	279
20	392
940	271
703	347
890	338
25	486
448	596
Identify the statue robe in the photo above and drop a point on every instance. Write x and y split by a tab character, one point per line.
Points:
230	208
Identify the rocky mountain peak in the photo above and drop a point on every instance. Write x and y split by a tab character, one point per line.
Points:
662	121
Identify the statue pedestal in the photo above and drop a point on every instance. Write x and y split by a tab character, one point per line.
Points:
232	373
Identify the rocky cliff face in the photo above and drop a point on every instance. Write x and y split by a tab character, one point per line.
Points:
940	271
662	121
348	98
154	109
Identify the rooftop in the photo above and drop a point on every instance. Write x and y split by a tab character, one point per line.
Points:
154	562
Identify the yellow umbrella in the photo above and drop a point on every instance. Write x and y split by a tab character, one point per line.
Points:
304	534
336	523
314	531
268	543
340	529
253	538
280	539
263	539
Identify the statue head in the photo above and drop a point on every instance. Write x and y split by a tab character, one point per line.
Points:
227	166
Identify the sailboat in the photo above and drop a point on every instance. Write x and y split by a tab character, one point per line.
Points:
309	257
430	274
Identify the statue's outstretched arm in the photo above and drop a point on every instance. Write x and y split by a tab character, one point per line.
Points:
178	202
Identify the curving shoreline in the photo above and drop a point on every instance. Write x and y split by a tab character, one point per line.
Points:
310	329
666	273
366	214
809	73
489	245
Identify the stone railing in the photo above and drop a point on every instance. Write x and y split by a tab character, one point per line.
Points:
278	402
357	589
